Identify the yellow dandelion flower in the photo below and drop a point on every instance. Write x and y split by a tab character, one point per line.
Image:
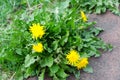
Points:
37	31
82	63
38	47
73	57
84	18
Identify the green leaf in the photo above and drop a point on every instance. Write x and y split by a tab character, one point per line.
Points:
50	50
77	41
64	40
61	73
47	48
29	71
55	77
41	77
47	61
98	10
30	60
83	55
19	51
110	47
96	30
56	30
64	4
97	55
54	68
100	2
77	75
55	45
88	69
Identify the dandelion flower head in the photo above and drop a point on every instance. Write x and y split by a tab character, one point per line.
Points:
73	57
84	18
38	47
82	63
37	30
